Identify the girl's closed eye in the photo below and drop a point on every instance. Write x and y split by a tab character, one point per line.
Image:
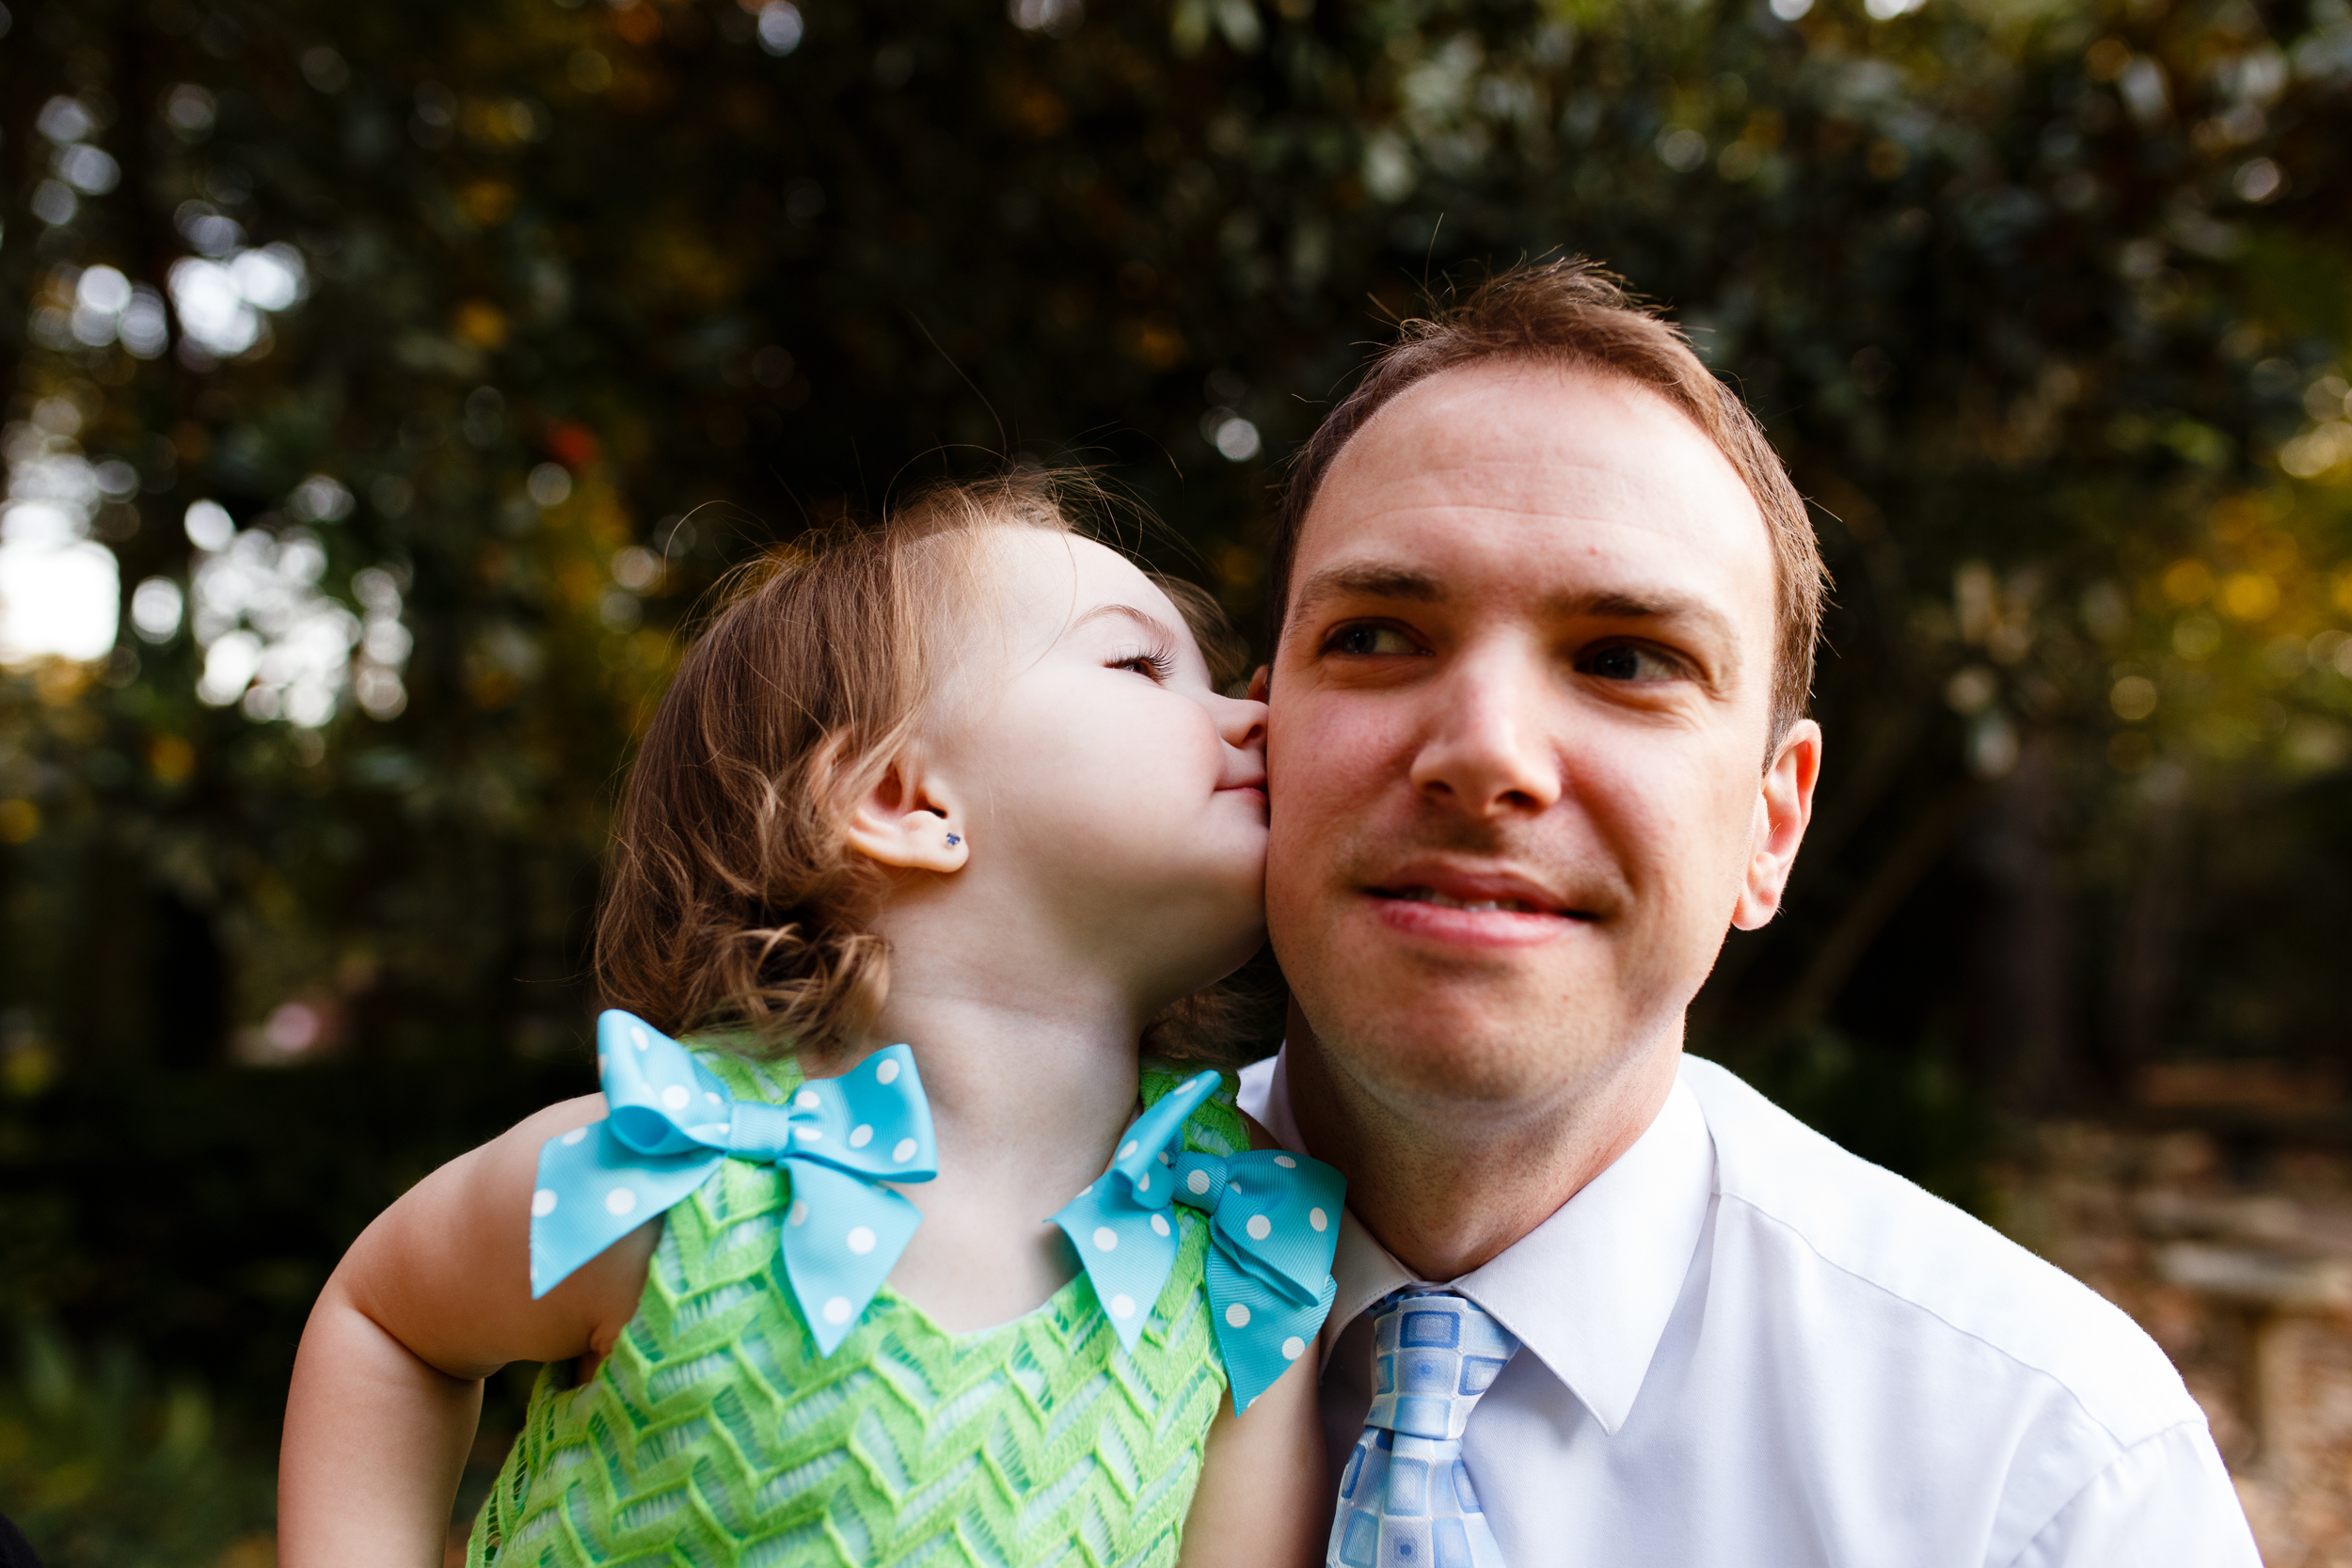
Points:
1158	662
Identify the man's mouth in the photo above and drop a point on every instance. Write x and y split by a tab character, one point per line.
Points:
1477	905
1462	906
1472	912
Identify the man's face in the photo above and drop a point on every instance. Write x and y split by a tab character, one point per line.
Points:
1518	747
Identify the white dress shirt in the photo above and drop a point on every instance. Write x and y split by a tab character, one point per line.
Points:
1746	1348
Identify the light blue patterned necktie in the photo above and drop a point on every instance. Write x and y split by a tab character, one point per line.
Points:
1406	1498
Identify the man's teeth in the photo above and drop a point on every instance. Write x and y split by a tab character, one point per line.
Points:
1479	905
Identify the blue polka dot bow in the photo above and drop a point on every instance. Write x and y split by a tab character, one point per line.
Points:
1273	1222
672	1122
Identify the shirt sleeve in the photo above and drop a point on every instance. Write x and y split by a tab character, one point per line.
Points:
2166	1500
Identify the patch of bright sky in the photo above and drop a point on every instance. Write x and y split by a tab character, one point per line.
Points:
60	590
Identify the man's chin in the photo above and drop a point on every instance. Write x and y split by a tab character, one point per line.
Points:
1469	1079
1462	1045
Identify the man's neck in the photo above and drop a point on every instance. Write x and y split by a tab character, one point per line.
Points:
1449	1187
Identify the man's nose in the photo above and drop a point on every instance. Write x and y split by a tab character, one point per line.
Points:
1487	749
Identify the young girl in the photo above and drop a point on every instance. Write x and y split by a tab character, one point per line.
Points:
962	782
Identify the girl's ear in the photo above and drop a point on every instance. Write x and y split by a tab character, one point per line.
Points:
910	821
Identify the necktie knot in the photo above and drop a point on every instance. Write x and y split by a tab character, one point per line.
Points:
1433	1354
1406	1500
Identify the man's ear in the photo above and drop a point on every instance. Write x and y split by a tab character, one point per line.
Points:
1261	683
1784	805
910	820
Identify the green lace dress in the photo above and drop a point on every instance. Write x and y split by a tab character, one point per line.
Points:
715	1434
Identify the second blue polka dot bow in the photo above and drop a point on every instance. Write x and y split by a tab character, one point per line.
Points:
672	1122
1273	1224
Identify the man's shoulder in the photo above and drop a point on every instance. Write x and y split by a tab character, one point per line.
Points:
1947	1276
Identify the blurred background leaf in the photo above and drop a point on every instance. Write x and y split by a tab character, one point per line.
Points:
104	1468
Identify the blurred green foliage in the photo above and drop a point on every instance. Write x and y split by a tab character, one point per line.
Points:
101	1466
496	332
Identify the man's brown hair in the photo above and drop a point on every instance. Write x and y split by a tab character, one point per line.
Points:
1573	314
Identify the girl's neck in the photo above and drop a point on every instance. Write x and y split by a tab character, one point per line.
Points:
1025	1038
1029	1088
1023	1043
1016	1075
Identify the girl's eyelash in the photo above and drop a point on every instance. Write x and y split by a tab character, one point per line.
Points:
1160	662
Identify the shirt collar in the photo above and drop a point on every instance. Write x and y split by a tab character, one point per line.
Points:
1589	1290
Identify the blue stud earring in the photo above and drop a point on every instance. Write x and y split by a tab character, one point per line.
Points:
954	839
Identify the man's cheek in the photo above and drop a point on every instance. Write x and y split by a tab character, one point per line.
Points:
1332	748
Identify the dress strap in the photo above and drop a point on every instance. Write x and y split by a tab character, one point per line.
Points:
673	1120
1273	1228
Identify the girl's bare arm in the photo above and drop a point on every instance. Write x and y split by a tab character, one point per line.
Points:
1265	1497
431	1299
1262	1501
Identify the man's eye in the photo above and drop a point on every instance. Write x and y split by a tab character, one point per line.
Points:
1624	661
1367	640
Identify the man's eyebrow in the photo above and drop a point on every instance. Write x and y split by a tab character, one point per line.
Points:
1370	582
1617	604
